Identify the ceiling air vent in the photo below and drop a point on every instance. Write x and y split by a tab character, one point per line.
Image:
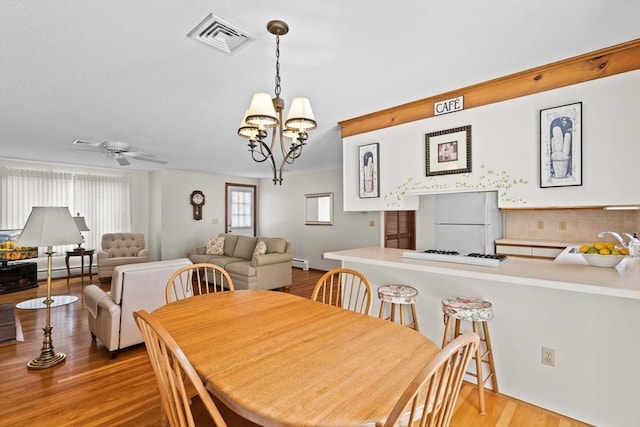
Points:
220	34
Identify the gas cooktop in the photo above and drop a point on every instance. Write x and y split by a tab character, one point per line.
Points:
474	258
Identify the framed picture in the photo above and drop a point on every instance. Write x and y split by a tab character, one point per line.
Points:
448	151
369	170
561	146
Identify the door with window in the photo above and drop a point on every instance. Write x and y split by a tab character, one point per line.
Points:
400	229
240	216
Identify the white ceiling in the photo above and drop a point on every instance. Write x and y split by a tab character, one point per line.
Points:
126	71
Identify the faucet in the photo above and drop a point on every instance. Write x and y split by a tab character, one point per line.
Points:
617	236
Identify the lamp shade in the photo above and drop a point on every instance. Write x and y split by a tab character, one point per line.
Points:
300	115
261	111
49	226
80	223
246	130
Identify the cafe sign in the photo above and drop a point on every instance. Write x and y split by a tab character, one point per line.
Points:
448	106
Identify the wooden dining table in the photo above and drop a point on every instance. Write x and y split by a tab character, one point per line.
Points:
280	359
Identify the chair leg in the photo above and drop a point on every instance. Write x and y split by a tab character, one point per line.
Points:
415	317
447	330
487	339
479	376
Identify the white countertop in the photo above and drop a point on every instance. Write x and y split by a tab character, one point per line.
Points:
622	281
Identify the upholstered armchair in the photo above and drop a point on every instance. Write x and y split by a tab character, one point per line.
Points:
120	249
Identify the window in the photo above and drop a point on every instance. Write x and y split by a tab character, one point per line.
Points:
104	201
241	209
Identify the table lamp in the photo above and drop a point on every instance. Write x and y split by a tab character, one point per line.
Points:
48	226
82	226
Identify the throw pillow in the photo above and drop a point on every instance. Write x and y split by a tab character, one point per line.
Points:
215	246
261	249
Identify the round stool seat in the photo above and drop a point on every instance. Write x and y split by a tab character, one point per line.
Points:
471	309
397	294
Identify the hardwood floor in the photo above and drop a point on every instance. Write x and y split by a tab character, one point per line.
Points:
90	389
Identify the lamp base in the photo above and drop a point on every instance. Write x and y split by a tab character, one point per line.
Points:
46	360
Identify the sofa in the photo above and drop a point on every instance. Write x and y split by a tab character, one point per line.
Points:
120	249
248	266
133	286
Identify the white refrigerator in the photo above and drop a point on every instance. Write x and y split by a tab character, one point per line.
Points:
468	222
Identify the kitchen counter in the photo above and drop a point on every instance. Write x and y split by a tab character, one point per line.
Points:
536	242
621	281
590	316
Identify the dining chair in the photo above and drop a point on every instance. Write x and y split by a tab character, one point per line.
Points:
344	287
171	368
197	279
430	398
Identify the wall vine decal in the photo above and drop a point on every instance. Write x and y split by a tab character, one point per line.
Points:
488	179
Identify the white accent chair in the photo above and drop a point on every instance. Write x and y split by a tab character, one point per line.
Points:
120	249
133	287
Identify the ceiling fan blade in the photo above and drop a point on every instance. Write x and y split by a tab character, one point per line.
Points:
122	160
89	143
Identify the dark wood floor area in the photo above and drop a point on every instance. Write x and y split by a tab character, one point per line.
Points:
90	389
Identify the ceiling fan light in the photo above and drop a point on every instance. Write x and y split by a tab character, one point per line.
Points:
301	115
261	111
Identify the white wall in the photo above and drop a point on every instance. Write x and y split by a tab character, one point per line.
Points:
179	232
281	214
505	140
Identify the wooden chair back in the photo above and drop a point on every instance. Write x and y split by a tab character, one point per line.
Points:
344	287
430	399
171	368
197	279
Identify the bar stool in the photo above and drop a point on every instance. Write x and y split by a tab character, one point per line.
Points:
398	296
475	311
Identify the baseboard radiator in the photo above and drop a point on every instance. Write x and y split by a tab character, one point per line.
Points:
300	263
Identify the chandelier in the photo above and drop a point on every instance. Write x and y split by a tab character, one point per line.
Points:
266	113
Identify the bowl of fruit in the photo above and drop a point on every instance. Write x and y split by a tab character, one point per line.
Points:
604	254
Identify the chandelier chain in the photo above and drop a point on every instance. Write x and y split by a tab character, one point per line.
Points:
277	66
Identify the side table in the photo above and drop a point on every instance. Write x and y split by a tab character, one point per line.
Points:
81	253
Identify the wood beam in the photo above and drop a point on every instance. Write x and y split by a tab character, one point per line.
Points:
601	63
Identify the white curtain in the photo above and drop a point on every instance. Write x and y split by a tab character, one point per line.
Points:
104	201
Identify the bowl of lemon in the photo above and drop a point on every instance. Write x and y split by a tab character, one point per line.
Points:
603	254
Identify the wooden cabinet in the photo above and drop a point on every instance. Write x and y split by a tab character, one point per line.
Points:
19	276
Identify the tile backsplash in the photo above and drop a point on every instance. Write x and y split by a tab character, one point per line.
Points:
570	225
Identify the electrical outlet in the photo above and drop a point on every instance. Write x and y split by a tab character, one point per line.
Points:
548	356
540	225
372	223
562	225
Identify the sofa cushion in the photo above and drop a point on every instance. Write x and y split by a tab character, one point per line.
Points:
275	244
230	241
225	261
215	246
245	247
242	268
261	249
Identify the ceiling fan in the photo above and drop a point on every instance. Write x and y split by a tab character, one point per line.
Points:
120	151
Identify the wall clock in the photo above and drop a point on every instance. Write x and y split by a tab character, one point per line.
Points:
197	201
